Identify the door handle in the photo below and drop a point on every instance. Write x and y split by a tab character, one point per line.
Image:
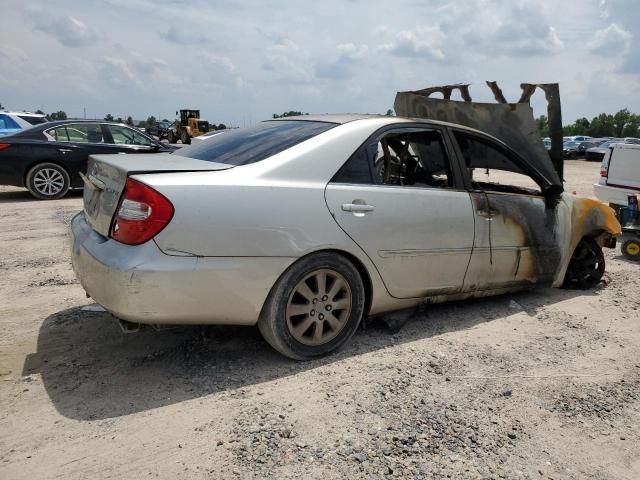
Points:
65	150
487	214
357	207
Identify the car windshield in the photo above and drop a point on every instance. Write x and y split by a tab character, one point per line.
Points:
569	144
253	144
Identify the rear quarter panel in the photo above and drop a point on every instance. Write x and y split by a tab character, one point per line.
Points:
16	161
275	207
12	166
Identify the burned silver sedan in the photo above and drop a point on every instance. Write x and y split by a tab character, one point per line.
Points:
305	225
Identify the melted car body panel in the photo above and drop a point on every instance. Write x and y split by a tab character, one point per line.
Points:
519	240
511	123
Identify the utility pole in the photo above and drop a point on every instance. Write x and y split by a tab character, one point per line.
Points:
85	112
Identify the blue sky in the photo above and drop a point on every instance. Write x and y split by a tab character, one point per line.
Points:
239	62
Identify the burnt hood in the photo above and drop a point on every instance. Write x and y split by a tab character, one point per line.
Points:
513	123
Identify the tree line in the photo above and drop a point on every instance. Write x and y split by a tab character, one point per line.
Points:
621	124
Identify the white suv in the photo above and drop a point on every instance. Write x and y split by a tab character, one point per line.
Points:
619	174
13	122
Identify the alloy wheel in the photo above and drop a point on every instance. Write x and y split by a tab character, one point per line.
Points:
319	307
48	182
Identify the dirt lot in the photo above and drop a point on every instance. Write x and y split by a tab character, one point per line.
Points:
541	384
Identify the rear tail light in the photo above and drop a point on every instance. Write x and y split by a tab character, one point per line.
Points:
142	214
603	171
4	146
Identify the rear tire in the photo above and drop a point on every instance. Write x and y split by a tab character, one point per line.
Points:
48	181
586	267
314	308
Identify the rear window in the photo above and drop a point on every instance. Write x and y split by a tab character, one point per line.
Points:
33	120
253	144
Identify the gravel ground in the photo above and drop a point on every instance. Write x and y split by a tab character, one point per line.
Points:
542	384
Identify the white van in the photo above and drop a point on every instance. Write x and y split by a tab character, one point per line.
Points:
619	174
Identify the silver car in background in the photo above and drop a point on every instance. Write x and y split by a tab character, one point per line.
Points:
305	225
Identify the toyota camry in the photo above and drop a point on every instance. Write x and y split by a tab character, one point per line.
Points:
305	225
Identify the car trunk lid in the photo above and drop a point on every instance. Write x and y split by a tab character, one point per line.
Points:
107	175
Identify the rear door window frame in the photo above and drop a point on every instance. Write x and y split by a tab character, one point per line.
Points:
454	160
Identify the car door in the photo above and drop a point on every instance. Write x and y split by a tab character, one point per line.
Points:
517	235
74	142
121	139
400	198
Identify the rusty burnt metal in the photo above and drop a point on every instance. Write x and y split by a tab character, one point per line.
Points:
513	123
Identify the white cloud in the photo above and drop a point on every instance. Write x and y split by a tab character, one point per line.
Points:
425	42
512	29
288	62
220	71
132	70
182	36
14	62
342	64
68	30
610	41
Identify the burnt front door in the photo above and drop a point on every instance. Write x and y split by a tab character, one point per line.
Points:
517	235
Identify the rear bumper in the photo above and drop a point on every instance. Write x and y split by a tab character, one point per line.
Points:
142	284
616	195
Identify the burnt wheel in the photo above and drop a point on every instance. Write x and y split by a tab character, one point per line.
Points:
314	308
631	249
586	267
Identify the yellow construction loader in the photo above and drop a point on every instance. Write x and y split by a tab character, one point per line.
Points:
188	126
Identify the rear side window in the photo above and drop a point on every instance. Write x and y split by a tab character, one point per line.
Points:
253	144
356	171
6	122
404	157
77	133
33	120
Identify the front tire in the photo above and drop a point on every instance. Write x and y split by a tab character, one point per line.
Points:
48	181
171	137
314	308
631	249
185	138
586	267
